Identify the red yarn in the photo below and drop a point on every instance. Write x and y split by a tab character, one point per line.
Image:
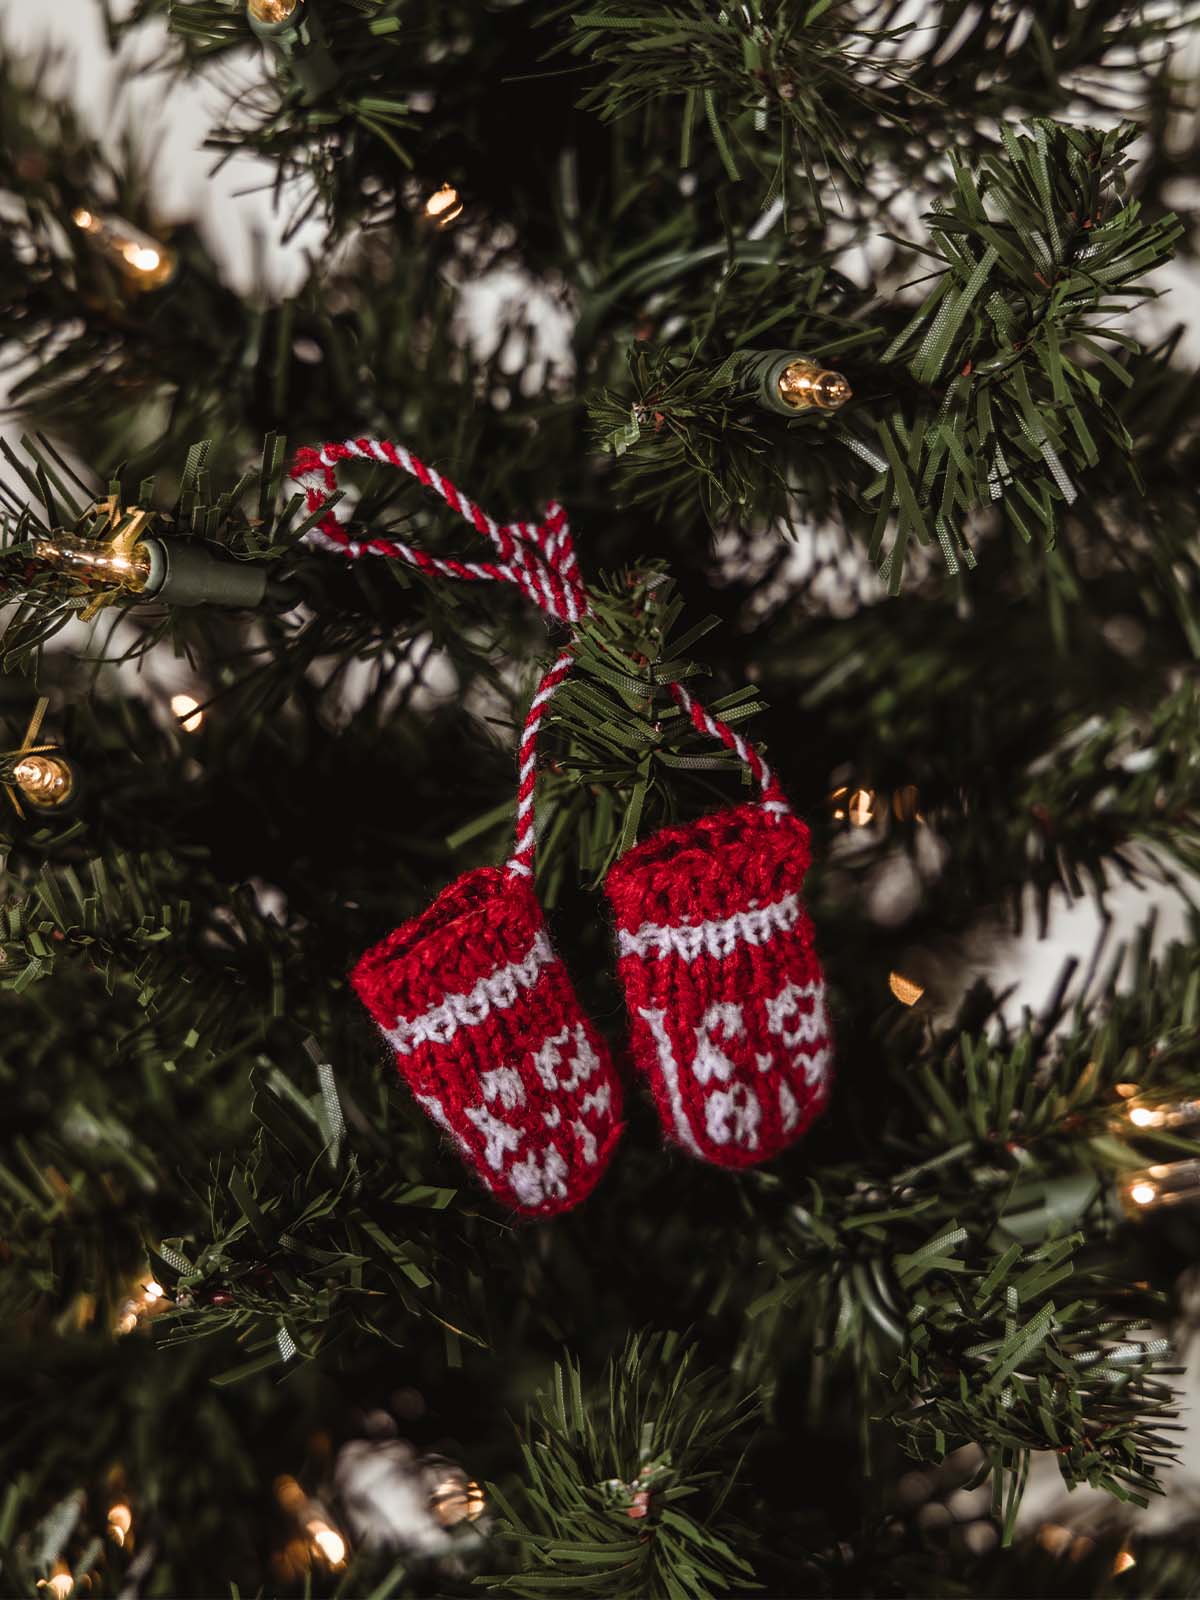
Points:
725	995
490	1037
539	558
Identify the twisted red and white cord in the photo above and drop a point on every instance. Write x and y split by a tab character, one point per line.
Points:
773	798
520	863
539	559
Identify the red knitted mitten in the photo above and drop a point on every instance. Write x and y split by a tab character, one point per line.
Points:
724	991
725	995
489	1035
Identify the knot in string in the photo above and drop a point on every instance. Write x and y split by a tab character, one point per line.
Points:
539	558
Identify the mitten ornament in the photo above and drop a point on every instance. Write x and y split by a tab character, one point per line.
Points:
725	995
479	1010
489	1036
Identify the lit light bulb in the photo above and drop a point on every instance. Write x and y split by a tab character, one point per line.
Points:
120	1520
861	807
1123	1560
1166	1114
328	1542
270	12
145	263
1164	1185
37	772
804	386
905	990
141	257
857	806
444	206
457	1499
188	711
153	1291
45	780
123	561
60	1582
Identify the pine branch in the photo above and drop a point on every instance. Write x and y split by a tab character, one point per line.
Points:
325	109
316	1238
1006	1351
1011	1144
616	742
1106	55
623	1487
1039	252
773	90
991	394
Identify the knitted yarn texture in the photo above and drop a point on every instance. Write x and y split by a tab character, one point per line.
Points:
490	1037
726	998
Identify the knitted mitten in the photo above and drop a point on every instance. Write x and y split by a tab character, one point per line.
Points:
489	1035
725	996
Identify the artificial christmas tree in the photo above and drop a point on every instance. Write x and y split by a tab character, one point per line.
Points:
837	340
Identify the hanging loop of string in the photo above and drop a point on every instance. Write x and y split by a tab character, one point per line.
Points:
773	798
539	559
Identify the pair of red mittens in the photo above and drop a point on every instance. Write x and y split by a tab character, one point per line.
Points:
723	988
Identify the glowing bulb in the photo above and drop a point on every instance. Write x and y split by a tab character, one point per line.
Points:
456	1498
45	780
444	205
905	989
805	386
1143	1117
120	1520
141	257
60	1583
861	808
271	11
1143	1194
154	1291
329	1543
188	711
1125	1090
124	560
144	261
1124	1560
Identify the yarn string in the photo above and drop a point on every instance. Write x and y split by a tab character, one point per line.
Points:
520	863
539	559
773	798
